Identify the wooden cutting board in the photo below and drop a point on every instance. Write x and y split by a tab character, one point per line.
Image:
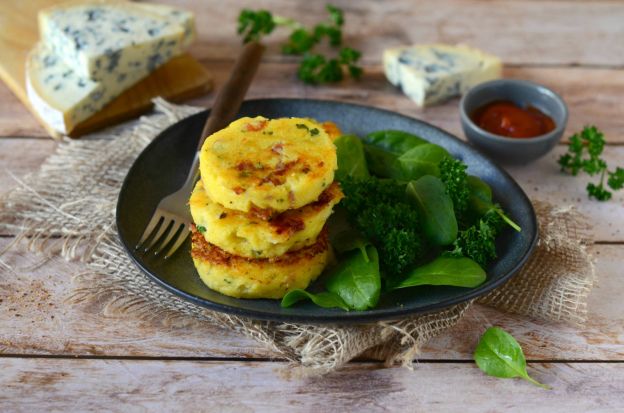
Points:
181	78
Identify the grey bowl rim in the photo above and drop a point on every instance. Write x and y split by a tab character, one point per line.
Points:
559	128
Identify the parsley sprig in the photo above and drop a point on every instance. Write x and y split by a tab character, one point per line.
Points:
315	68
583	155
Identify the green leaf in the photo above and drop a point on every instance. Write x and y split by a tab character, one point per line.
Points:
457	272
335	15
616	179
422	160
382	163
323	299
498	354
356	280
435	208
349	240
394	141
351	158
254	24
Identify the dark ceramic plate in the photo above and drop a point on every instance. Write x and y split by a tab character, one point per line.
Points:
162	166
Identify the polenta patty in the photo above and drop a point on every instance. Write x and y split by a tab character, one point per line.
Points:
274	164
242	277
255	235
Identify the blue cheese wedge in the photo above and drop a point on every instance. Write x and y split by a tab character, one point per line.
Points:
183	17
63	96
430	74
99	38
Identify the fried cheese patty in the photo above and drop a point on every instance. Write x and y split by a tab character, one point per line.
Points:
242	277
274	164
249	234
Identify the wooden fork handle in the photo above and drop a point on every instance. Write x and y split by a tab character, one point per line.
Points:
233	92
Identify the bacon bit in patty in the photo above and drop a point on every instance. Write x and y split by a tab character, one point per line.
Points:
278	148
305	169
205	251
332	192
276	177
244	166
331	129
320	164
264	214
287	223
238	190
255	126
223	215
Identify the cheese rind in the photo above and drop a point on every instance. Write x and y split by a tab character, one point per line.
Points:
60	97
430	74
96	38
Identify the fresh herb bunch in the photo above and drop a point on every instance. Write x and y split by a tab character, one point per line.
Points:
592	141
379	210
314	68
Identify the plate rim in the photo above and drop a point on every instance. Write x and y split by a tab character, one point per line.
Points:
350	317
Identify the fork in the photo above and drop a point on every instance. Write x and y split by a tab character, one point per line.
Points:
170	224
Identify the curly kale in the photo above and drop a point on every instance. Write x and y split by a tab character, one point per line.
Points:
477	241
380	211
453	174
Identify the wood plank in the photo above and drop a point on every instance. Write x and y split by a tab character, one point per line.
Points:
19	157
127	385
528	32
39	320
593	95
36	320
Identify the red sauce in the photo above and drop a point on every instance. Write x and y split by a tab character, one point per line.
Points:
506	119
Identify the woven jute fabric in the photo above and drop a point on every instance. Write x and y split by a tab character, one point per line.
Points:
68	208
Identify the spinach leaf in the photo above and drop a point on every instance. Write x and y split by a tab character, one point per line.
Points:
480	202
480	199
351	158
457	272
498	354
349	240
382	163
356	280
435	208
324	299
394	141
421	160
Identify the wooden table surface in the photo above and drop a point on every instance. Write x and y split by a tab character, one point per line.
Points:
54	356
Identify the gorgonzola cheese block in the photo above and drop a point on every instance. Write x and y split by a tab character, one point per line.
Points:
63	96
430	74
99	38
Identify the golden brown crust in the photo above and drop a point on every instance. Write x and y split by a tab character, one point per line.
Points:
203	250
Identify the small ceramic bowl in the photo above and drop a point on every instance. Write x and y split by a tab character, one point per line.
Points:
523	93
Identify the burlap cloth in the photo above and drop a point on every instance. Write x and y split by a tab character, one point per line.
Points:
68	208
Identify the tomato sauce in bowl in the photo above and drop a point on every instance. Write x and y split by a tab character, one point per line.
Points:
505	118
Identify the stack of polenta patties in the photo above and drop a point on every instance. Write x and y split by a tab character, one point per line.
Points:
92	51
266	191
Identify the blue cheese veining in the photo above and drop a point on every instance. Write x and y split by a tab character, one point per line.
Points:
99	38
430	74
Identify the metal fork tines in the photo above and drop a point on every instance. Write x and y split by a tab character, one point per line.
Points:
163	229
171	221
